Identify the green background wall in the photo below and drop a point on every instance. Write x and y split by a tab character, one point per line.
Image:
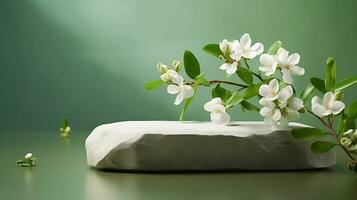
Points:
89	59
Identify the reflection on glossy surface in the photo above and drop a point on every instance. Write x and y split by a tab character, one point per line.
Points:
62	173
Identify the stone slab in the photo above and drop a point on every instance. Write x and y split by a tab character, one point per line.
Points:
172	146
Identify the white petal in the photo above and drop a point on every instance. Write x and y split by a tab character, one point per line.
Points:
328	100
277	115
337	107
296	70
294	59
236	56
179	98
283	55
245	40
316	101
214	104
232	68
225	118
265	111
249	54
224	46
220	117
296	104
287	76
319	110
217	100
266	59
187	91
224	66
258	48
265	90
177	79
173	89
285	94
274	85
266	103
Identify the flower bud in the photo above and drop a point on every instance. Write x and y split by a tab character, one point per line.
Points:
28	156
338	96
165	77
177	65
162	68
355	135
346	142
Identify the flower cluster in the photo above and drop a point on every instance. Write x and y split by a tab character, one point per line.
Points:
278	99
279	104
233	52
175	81
349	140
283	61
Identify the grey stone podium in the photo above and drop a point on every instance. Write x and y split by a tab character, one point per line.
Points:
200	146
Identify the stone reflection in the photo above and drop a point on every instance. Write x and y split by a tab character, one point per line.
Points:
214	185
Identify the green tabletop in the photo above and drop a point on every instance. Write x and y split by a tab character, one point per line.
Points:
62	173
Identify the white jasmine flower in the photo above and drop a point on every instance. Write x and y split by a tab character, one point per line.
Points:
243	48
270	112
327	105
226	47
270	92
218	111
291	112
288	65
284	95
168	75
230	68
269	64
183	91
28	156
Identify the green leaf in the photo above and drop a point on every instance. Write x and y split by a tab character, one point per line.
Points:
151	85
251	91
234	100
330	77
65	123
219	91
249	106
274	47
345	83
307	93
307	133
245	75
318	84
352	111
213	49
192	66
322	146
188	101
202	81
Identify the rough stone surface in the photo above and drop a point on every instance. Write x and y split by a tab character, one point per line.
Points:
171	145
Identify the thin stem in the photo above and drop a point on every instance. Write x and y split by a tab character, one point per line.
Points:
258	76
227	82
333	132
255	74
